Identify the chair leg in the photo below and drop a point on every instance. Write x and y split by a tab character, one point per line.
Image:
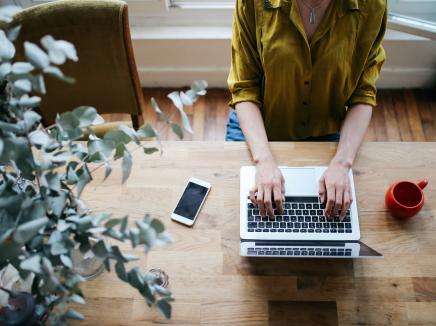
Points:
137	121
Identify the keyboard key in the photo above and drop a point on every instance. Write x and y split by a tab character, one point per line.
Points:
256	212
252	225
301	206
320	212
311	230
318	230
287	206
341	231
300	218
322	218
333	231
265	230
291	212
261	253
282	253
261	224
333	225
340	253
322	206
309	206
347	253
347	230
250	219
275	224
290	225
341	225
318	225
303	230
325	231
297	225
312	225
268	224
273	230
282	224
286	218
312	212
251	205
279	218
311	253
296	230
268	252
348	225
305	212
275	252
288	230
294	206
258	230
326	225
250	230
250	212
293	218
304	253
265	218
281	230
297	253
307	219
304	225
257	218
289	253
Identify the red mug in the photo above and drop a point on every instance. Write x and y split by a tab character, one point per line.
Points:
405	199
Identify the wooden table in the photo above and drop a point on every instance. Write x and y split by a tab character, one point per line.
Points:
213	285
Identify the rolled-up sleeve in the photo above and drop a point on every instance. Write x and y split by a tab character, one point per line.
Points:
366	91
246	72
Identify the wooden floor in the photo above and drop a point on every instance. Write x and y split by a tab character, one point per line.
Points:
401	115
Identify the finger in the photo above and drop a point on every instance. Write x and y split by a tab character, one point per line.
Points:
260	203
346	204
338	200
330	202
278	198
322	190
268	202
253	195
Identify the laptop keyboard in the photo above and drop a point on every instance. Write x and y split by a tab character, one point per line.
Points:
302	215
296	251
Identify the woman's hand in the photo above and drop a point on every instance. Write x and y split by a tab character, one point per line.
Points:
270	186
335	190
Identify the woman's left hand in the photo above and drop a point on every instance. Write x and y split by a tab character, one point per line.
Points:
335	190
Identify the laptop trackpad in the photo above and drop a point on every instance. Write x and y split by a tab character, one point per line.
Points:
300	181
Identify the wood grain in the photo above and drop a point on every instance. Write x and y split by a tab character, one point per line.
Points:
213	285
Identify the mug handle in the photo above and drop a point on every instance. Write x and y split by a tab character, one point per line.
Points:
423	184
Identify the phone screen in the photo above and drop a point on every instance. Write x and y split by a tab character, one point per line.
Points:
191	200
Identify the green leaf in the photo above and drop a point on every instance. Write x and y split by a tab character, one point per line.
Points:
100	218
73	314
199	85
157	225
165	308
8	12
121	271
40	138
32	264
60	50
84	179
100	249
13	33
22	68
5	69
107	169
77	299
147	131
31	118
38	84
86	115
7	49
118	136
150	150
66	261
30	102
177	101
177	130
36	55
27	231
186	100
126	165
23	85
161	115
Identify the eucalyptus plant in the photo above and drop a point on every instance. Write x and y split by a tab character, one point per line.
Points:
43	173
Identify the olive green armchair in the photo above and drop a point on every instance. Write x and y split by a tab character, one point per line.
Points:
106	75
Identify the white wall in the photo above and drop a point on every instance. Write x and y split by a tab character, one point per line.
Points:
177	55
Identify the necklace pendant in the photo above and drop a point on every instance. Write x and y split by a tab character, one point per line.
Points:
312	17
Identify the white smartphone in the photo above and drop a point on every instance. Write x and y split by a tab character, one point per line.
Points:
191	201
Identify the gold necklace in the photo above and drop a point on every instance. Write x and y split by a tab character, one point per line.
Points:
312	15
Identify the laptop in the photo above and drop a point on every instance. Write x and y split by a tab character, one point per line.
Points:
302	231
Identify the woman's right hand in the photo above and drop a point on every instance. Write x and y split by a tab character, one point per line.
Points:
269	188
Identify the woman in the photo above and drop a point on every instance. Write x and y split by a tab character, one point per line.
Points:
304	70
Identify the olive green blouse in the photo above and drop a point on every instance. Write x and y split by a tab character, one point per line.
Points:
303	88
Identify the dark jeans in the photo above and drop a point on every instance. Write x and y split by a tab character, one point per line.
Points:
234	132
